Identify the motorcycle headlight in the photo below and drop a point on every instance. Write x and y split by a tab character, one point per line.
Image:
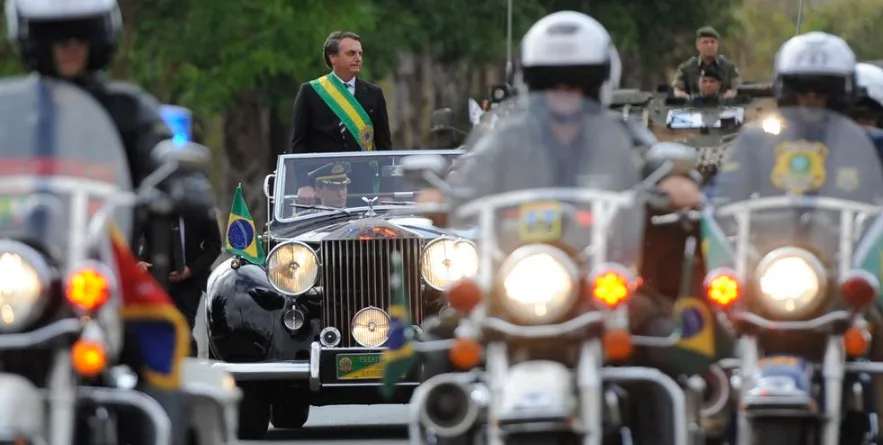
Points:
538	283
445	261
24	279
292	268
792	282
370	327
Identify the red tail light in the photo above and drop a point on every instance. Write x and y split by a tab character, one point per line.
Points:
859	288
722	287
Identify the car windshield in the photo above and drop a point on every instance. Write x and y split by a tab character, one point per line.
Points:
813	180
343	181
62	160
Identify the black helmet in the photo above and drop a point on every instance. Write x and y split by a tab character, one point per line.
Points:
34	26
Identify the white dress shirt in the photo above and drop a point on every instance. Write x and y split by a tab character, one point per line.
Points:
351	85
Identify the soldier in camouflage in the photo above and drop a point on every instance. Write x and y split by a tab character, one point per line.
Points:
687	79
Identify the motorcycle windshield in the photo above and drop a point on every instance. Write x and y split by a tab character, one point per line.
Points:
62	160
806	178
555	170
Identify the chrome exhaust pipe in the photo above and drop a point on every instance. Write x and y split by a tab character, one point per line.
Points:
447	408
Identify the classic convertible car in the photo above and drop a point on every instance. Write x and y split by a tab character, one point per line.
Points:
308	326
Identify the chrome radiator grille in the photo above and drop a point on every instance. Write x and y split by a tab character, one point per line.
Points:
355	275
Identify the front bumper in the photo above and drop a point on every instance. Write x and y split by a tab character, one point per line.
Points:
327	367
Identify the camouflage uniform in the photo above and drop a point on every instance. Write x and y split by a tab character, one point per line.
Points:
687	77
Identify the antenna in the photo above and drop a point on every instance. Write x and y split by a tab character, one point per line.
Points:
799	17
509	41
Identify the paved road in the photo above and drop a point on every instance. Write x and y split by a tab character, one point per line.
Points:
350	424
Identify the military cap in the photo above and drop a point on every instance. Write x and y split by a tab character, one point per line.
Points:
333	174
707	31
710	71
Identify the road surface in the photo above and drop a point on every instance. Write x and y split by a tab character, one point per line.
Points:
349	424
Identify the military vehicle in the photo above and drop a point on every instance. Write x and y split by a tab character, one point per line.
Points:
707	124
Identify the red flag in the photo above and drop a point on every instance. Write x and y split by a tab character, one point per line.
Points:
162	331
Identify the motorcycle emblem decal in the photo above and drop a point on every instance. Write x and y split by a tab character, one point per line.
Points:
800	166
345	365
540	222
847	179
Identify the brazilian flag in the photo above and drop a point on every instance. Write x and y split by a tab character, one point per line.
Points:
242	239
400	355
715	247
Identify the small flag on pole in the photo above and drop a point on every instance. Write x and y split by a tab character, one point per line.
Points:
715	247
242	238
400	356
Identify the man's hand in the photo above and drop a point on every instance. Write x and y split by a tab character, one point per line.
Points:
681	93
730	94
430	196
176	277
683	192
143	265
306	195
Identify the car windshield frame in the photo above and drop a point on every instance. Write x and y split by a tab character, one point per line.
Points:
279	197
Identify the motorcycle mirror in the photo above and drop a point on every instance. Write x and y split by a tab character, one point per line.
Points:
442	118
188	155
682	158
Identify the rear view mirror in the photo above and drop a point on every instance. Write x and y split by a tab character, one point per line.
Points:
499	93
442	119
188	155
682	158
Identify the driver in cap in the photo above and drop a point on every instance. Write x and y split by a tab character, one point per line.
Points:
331	183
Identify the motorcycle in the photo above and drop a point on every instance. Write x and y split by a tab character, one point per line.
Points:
547	311
64	184
792	241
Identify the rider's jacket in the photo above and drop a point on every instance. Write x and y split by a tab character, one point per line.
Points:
136	115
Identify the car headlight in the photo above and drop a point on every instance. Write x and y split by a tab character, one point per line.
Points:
292	268
24	278
792	282
370	327
445	261
539	283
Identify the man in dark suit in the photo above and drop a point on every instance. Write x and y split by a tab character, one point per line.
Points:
339	112
195	245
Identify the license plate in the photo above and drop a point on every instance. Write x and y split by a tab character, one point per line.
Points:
540	222
787	370
359	366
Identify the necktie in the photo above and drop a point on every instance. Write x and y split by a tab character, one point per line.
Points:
351	86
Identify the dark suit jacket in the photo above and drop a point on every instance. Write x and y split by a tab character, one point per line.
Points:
202	246
316	129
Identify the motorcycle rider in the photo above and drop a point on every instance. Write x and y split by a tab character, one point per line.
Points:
868	110
74	41
588	70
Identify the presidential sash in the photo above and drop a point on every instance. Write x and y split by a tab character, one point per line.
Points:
347	108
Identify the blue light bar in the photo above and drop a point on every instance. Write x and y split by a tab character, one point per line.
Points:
180	121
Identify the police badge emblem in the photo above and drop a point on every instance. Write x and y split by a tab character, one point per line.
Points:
800	166
337	169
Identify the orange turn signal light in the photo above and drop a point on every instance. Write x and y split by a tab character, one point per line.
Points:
465	353
856	342
89	358
611	288
464	295
87	289
722	287
617	344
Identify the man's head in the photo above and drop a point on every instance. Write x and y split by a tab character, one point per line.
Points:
815	69
707	40
343	54
868	109
710	82
571	56
331	184
70	39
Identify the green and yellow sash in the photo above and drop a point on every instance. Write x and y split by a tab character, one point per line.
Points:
347	109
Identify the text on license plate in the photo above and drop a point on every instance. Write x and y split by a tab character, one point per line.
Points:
359	366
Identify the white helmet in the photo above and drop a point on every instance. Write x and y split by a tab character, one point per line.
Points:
572	48
870	77
32	25
815	61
